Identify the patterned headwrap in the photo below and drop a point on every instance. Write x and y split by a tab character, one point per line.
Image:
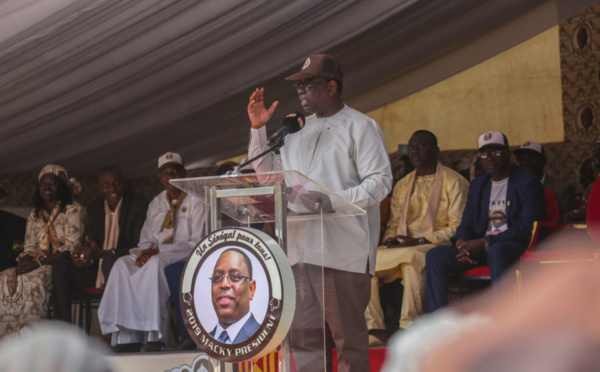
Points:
61	173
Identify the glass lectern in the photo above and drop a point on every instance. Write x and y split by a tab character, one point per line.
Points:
278	203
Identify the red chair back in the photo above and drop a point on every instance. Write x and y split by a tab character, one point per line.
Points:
552	208
593	212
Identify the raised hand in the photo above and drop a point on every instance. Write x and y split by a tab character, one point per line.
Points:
257	112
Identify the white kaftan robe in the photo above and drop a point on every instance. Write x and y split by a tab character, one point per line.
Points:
345	152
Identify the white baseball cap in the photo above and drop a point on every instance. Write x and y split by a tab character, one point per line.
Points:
492	138
531	146
169	157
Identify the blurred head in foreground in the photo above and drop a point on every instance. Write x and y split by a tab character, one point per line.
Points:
52	346
550	324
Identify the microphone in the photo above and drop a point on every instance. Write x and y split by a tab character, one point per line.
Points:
291	124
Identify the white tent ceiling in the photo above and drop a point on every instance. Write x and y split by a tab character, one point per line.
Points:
87	83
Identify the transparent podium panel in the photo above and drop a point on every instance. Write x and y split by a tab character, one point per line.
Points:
305	218
250	198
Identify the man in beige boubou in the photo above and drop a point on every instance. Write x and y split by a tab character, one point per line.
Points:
426	209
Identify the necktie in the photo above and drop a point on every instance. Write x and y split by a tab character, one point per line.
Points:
224	337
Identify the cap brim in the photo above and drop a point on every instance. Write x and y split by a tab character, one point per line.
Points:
171	162
301	76
490	145
520	151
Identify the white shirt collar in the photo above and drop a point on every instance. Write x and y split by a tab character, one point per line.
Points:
232	330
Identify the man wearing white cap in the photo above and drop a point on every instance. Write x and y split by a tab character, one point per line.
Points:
135	305
496	224
532	157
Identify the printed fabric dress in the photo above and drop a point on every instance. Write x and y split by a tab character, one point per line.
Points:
25	298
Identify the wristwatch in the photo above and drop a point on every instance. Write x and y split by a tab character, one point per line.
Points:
422	241
391	241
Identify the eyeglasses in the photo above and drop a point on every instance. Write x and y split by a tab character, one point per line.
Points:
233	278
308	86
490	154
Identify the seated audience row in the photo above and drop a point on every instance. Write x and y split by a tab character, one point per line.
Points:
122	245
136	251
439	225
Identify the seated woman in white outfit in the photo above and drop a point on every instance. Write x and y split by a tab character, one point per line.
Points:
54	226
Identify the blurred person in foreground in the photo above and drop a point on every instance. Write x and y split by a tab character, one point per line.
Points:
551	324
52	347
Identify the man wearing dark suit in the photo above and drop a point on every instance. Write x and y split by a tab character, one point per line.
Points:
496	223
131	218
532	157
249	328
232	290
114	223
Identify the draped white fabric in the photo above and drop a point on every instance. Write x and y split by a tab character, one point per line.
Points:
86	83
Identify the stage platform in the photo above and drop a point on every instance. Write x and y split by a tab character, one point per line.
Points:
185	361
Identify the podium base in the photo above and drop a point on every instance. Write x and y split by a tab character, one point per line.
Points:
168	361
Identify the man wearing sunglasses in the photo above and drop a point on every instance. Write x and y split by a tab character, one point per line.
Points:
232	290
345	151
496	224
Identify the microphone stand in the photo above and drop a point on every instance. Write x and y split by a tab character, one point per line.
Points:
235	173
275	148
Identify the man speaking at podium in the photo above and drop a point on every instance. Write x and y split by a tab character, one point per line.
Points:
344	150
